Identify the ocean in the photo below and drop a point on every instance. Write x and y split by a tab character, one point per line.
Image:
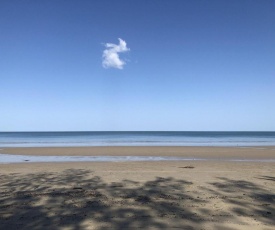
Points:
163	138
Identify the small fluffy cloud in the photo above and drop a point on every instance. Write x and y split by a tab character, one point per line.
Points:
110	55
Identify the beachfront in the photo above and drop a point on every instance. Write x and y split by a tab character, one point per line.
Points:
209	194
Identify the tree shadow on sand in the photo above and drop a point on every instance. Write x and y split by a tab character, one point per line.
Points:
270	178
246	199
77	199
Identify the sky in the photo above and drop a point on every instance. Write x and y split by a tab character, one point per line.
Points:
132	65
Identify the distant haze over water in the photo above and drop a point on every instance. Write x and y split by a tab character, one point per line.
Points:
163	138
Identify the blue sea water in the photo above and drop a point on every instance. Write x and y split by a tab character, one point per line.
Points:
48	139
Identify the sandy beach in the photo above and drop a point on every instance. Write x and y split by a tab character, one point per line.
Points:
212	194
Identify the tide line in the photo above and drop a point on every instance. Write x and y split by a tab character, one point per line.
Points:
7	158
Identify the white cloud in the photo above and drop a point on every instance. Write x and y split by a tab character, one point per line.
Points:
110	55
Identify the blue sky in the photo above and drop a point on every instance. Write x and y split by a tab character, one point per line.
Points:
192	65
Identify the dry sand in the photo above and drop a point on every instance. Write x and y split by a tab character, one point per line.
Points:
140	195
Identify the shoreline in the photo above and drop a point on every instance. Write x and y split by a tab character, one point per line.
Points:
135	154
19	159
252	152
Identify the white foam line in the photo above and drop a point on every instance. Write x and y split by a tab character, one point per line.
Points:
7	158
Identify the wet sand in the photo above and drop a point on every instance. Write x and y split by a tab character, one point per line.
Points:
196	152
139	195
